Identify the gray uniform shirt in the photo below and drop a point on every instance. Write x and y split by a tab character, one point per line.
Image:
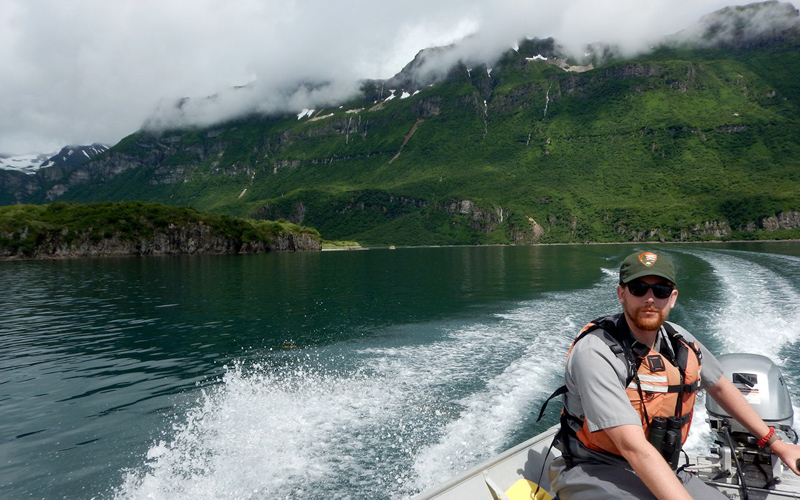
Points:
595	379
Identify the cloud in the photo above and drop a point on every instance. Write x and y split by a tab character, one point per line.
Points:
737	24
88	71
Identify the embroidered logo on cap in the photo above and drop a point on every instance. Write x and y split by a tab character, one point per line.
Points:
648	258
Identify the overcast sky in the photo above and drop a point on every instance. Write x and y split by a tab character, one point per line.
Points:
83	71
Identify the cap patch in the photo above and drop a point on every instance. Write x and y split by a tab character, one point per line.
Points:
637	265
648	258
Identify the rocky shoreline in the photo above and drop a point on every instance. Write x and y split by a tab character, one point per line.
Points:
29	242
197	240
108	229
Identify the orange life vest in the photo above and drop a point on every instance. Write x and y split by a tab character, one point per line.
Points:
657	387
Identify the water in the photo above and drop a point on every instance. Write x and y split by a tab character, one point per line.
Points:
370	374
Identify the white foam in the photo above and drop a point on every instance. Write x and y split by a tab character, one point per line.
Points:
760	304
262	432
405	409
758	314
386	418
491	416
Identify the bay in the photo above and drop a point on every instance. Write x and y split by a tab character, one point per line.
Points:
329	375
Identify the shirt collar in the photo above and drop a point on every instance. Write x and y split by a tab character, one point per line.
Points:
661	345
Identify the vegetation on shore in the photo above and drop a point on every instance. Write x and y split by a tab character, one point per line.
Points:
340	245
47	230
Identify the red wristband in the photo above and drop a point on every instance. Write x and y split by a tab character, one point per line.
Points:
763	441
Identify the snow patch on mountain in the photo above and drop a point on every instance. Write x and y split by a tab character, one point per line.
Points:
27	164
69	156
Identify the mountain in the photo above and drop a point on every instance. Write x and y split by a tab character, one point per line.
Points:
73	156
694	140
27	164
21	176
747	26
68	156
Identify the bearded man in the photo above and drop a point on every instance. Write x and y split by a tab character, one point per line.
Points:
623	374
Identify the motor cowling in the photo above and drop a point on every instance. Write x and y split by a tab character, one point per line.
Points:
761	383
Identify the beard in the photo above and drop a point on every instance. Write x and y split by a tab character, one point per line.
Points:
648	323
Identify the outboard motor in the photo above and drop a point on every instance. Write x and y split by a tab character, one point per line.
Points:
763	386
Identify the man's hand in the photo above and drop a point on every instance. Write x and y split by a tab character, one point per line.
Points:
789	453
731	400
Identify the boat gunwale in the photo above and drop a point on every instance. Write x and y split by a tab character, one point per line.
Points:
479	469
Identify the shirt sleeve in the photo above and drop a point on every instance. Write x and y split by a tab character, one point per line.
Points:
595	379
711	369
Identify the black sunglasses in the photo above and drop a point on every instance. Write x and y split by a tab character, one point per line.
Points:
660	290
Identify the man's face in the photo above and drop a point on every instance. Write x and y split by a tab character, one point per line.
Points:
648	312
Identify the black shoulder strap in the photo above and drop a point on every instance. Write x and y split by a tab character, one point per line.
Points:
681	347
618	340
615	341
558	392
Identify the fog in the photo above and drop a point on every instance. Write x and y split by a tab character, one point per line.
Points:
83	71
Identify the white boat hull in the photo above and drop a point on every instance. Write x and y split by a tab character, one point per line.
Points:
495	478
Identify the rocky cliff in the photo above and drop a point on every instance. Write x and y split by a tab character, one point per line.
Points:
189	240
186	240
106	230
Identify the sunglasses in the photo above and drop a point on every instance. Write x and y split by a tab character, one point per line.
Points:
660	290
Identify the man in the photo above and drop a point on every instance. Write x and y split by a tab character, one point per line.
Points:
608	408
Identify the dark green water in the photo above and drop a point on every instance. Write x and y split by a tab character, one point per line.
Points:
335	375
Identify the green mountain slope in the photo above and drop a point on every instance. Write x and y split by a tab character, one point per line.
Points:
680	144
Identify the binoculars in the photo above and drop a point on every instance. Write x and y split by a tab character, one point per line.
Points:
665	436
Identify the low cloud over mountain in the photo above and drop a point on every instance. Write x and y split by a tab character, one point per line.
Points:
92	71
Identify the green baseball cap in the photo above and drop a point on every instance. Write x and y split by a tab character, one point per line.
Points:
642	264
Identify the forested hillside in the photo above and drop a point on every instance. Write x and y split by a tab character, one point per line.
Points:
684	143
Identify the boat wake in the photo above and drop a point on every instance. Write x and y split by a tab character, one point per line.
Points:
756	311
416	404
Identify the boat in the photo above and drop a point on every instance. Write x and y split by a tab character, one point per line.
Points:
733	465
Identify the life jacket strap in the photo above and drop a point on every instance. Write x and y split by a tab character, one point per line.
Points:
685	419
558	392
667	389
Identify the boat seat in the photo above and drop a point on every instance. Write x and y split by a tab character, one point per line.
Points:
524	490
